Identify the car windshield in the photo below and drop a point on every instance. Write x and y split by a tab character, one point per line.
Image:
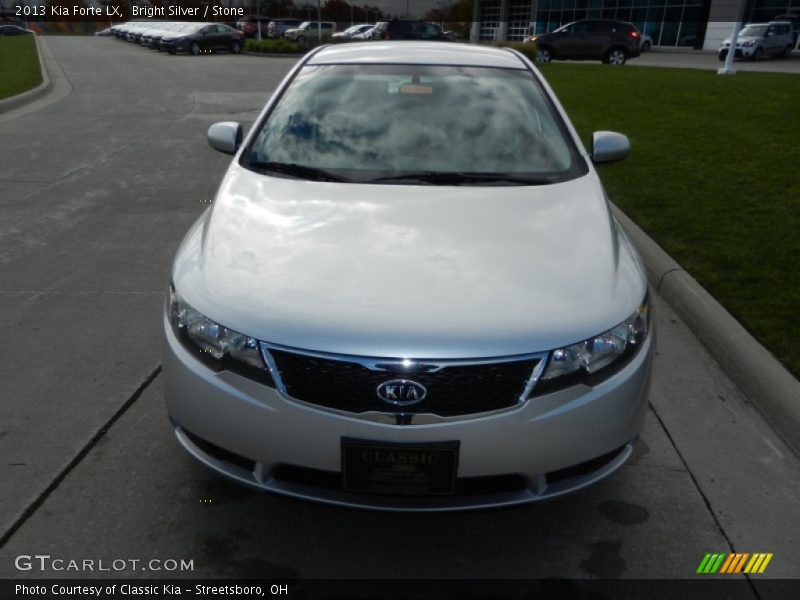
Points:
754	31
422	124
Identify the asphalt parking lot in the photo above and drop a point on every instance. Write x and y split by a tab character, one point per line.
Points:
97	187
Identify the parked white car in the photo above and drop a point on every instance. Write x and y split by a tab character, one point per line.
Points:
364	36
310	31
353	31
757	40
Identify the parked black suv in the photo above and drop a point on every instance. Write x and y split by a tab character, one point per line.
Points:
407	30
613	42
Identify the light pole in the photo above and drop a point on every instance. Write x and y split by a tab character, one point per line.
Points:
737	26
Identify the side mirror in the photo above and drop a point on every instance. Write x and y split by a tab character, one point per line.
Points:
608	146
225	137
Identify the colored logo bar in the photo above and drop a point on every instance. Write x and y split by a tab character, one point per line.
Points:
732	563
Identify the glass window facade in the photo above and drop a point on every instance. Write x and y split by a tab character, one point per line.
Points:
759	11
519	19
490	20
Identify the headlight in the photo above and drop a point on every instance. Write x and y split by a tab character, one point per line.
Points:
748	43
217	346
593	360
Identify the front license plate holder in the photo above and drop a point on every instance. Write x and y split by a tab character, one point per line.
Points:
417	469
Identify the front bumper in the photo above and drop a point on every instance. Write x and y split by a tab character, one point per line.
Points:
174	46
741	51
549	446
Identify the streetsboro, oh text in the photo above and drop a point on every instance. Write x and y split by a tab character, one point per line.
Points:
158	591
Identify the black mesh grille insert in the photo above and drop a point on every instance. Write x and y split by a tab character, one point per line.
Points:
221	453
585	468
453	390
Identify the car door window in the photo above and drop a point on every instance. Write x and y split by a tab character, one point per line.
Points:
600	27
579	28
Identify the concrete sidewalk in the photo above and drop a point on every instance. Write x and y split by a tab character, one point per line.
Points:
707	60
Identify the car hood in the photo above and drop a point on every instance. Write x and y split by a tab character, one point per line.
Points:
741	39
409	271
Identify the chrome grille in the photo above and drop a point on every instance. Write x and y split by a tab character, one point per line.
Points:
454	388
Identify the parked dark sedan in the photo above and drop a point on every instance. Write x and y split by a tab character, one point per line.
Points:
205	38
408	30
613	42
14	30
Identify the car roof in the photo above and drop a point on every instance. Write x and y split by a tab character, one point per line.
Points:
427	53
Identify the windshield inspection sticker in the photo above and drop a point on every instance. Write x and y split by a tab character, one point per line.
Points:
416	89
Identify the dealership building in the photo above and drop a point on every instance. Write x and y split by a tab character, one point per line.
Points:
700	24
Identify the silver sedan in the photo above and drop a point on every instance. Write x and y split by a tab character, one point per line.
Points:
410	292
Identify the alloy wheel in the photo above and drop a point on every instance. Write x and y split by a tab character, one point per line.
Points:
617	57
543	55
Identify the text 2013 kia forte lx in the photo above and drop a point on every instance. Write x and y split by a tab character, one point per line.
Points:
409	292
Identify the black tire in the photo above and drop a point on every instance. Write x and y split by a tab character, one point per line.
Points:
544	54
301	40
646	46
194	48
786	52
616	56
758	54
171	51
722	55
236	48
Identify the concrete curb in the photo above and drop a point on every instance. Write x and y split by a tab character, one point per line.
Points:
761	377
29	96
679	50
59	88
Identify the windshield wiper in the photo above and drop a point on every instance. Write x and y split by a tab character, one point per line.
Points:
295	170
456	178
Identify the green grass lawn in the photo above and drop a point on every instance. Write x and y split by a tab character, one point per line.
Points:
713	176
19	65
